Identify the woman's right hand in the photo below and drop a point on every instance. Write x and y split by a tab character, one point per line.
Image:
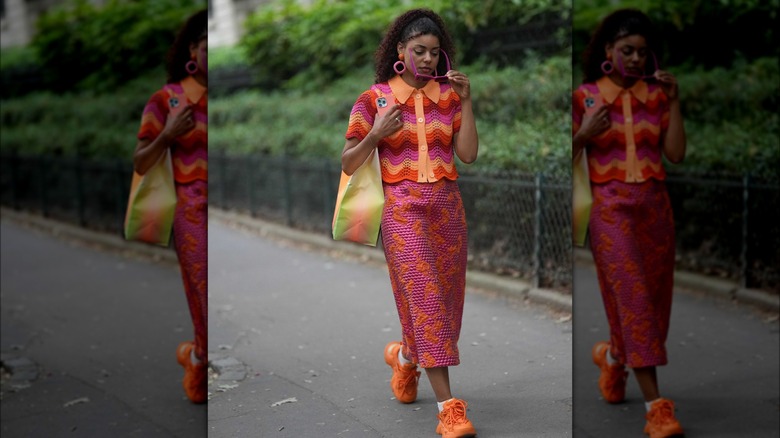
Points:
181	124
596	123
389	123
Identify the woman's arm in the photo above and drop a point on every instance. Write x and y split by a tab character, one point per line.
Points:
466	141
148	152
356	152
592	125
674	141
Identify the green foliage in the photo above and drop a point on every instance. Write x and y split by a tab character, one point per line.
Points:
102	125
731	116
84	46
308	46
706	33
227	57
522	116
13	57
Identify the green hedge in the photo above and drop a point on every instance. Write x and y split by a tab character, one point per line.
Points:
307	46
522	116
79	46
102	125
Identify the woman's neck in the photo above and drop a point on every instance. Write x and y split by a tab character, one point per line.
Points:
408	77
621	81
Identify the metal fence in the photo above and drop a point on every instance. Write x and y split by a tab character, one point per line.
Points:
726	226
519	224
91	193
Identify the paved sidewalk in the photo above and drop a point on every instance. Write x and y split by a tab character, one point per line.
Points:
310	329
724	359
90	337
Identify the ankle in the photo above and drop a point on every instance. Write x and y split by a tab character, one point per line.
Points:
649	404
440	404
401	359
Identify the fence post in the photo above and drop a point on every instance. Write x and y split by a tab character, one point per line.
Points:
287	168
42	180
15	178
222	176
329	201
80	191
250	184
122	196
743	259
537	229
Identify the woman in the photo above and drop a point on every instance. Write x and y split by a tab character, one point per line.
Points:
175	119
423	223
626	115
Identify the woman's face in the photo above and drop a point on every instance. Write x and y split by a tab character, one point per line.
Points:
632	51
199	54
425	54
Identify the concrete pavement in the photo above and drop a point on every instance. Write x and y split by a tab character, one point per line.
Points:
722	372
310	329
90	338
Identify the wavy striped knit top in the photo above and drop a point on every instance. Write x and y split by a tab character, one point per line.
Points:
422	149
630	150
189	152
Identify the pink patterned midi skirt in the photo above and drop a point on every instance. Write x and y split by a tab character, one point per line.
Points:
425	242
190	238
632	240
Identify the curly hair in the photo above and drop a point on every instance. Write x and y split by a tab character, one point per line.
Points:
617	25
410	24
192	32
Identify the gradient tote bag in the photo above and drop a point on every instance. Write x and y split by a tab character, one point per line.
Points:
359	204
582	198
152	204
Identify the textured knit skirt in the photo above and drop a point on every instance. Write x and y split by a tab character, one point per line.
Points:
425	242
190	238
632	239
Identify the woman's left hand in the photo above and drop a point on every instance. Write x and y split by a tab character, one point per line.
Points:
668	83
460	83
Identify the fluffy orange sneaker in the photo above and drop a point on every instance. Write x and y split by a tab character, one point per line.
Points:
660	420
405	377
612	381
194	374
453	422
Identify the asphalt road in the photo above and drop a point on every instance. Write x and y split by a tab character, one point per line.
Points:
722	372
101	331
310	329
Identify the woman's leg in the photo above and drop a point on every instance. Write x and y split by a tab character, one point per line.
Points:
648	382
440	382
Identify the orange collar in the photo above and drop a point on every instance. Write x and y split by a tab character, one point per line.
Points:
192	89
402	90
610	90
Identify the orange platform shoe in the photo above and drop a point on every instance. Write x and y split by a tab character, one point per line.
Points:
195	375
405	377
612	381
453	422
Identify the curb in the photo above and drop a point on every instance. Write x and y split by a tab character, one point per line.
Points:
513	288
714	287
101	239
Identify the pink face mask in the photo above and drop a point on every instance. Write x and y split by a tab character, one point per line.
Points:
422	77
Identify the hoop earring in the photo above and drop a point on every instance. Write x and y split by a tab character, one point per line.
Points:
401	69
607	67
191	67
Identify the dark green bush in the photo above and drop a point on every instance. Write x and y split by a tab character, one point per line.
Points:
308	46
93	125
523	117
85	47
